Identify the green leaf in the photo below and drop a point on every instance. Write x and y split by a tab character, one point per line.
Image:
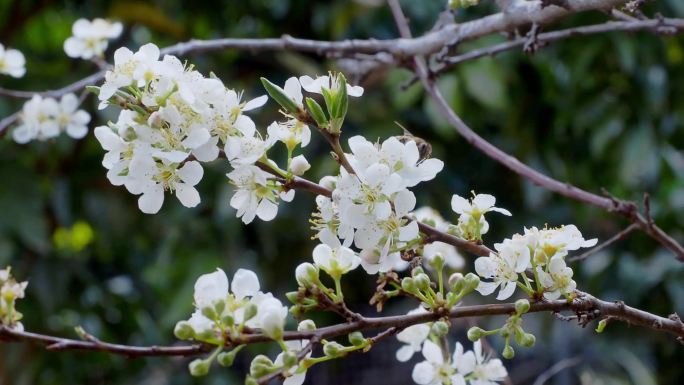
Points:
279	95
316	112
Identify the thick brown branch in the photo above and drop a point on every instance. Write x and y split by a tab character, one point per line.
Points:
432	42
584	304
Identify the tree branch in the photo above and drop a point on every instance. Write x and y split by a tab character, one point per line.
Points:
585	304
617	237
523	13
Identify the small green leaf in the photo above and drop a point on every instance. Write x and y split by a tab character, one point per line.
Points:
279	95
316	112
93	89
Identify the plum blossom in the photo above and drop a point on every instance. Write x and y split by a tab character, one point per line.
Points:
12	62
412	337
216	301
557	280
45	118
10	291
502	268
335	261
328	82
462	368
90	38
256	196
471	222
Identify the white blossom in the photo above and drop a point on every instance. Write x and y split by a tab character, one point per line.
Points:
335	262
12	62
557	280
299	165
412	337
327	82
254	197
471	221
502	268
90	38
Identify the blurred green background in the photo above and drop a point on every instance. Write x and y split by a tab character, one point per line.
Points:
600	111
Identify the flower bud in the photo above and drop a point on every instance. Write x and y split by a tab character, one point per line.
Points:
522	306
260	366
299	165
199	367
437	262
475	333
508	352
332	349
292	296
250	311
356	339
249	380
226	359
306	274
471	282
417	270
289	359
528	340
183	330
228	320
422	281
306	325
456	282
408	284
440	328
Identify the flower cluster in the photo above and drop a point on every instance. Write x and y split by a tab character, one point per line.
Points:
90	38
471	367
223	311
45	118
369	207
10	291
12	62
543	251
172	119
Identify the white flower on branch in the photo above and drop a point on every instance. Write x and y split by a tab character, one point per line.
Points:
502	268
12	62
549	243
256	194
292	133
471	222
90	38
557	279
10	291
328	83
412	337
45	118
401	158
335	261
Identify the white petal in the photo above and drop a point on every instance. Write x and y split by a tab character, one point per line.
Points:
187	195
432	352
245	283
423	373
404	353
191	172
506	291
267	210
484	201
459	204
151	200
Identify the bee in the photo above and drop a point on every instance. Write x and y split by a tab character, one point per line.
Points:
424	148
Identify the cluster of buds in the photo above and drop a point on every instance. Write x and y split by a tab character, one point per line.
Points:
512	328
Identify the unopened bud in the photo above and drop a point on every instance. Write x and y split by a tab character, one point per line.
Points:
471	282
475	333
356	339
209	312
260	366
422	281
456	282
332	349
508	352
522	306
183	330
199	367
226	358
528	340
289	359
306	325
417	270
440	328
408	284
306	274
299	165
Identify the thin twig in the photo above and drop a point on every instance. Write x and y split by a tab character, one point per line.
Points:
556	368
617	237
